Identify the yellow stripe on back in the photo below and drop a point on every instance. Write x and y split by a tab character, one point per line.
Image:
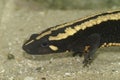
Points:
71	31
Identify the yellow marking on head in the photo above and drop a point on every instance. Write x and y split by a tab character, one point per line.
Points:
45	33
54	48
110	44
55	28
68	31
71	31
29	42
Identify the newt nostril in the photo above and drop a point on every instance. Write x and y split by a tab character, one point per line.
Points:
26	49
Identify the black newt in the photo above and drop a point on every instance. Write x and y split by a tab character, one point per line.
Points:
83	36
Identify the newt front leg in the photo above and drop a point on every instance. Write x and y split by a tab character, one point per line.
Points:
93	43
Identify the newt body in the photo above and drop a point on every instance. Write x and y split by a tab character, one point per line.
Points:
83	36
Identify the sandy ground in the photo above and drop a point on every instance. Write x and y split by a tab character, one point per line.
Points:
17	24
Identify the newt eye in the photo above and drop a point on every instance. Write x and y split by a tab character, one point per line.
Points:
44	44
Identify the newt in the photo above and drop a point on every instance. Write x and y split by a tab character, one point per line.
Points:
83	37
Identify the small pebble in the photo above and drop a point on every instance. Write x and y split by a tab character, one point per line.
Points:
38	69
29	78
119	63
43	78
2	70
10	56
67	74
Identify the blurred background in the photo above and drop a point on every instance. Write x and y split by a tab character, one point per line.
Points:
69	4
